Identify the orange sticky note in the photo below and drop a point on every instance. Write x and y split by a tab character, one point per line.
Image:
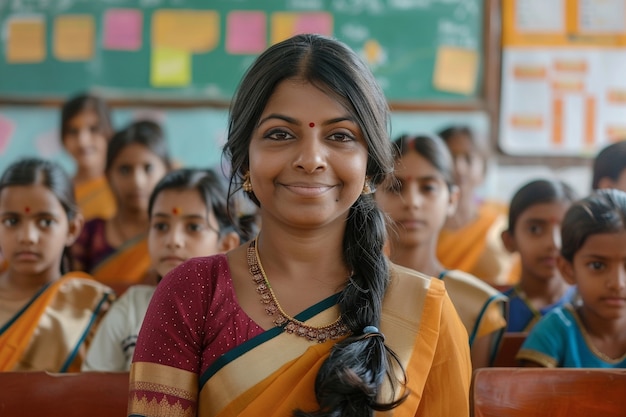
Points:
456	70
288	24
26	40
74	37
170	68
195	31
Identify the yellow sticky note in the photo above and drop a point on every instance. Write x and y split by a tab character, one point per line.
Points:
74	37
456	70
170	68
195	31
26	40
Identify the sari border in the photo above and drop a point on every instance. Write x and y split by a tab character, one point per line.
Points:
17	315
267	335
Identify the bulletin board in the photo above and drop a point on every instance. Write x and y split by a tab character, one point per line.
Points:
419	50
563	76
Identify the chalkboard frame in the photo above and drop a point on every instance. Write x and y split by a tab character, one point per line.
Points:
481	101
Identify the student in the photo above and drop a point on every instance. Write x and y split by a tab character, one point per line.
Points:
592	333
116	250
305	317
470	240
85	132
535	216
609	167
189	217
418	201
46	312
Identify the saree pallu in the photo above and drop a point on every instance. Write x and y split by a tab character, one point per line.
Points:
49	333
130	264
95	199
274	373
482	309
477	248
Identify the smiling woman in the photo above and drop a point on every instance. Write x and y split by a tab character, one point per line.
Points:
309	318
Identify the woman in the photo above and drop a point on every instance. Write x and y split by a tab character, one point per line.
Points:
309	318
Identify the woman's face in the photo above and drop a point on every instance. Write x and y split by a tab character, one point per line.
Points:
84	140
307	158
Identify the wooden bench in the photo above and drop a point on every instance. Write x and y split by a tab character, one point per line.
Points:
509	346
36	394
548	392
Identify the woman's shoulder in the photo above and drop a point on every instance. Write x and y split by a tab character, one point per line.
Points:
201	274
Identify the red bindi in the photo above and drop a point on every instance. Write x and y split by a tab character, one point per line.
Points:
176	211
27	209
311	124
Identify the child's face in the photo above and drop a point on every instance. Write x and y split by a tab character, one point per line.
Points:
132	176
34	230
537	238
418	202
599	271
84	140
308	158
181	227
469	165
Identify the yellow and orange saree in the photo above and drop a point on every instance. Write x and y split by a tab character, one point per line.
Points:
95	199
273	373
477	247
49	332
130	263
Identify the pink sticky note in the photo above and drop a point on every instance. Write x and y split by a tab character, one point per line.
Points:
122	29
320	23
246	32
6	131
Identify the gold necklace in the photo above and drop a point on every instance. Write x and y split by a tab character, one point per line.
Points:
291	325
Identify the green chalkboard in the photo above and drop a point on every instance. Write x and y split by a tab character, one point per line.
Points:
400	39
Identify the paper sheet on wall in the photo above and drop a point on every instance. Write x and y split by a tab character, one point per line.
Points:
246	32
170	68
123	29
26	40
195	31
456	70
563	94
6	131
74	37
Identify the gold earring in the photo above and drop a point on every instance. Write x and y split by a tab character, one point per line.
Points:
247	185
367	188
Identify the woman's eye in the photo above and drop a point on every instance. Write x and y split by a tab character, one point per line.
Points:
278	135
535	229
148	168
342	137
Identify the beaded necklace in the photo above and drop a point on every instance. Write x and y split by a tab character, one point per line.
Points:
320	334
